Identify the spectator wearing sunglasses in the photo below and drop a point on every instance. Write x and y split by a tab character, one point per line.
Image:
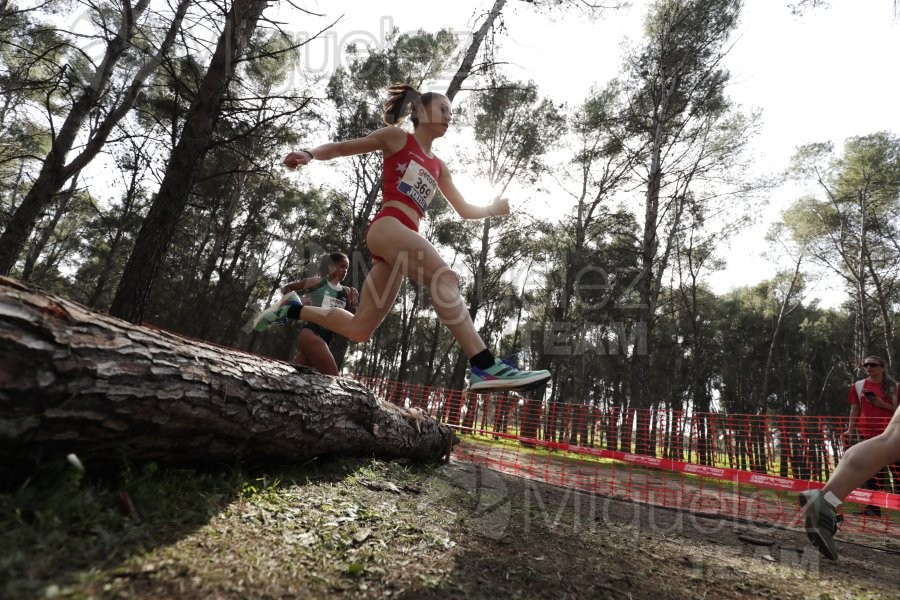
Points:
858	464
873	401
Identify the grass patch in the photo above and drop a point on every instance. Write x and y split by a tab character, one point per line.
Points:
365	528
67	534
58	527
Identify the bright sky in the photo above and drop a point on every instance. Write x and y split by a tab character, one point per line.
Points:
824	76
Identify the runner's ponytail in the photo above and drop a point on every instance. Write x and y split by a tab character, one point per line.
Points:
401	101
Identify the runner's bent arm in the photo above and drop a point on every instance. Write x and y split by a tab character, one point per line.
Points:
463	208
352	298
302	285
386	139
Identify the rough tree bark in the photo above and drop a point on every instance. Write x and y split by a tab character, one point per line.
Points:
77	381
158	228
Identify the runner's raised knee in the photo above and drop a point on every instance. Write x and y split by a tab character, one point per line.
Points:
361	333
445	284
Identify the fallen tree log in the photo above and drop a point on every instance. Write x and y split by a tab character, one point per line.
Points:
76	381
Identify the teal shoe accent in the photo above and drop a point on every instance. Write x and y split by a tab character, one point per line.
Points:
504	376
277	313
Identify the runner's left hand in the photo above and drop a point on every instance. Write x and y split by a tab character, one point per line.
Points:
296	159
499	207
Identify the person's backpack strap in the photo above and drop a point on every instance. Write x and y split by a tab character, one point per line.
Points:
859	388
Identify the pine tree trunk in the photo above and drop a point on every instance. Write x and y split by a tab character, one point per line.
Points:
152	242
77	381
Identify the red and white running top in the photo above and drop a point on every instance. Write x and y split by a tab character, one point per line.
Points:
411	177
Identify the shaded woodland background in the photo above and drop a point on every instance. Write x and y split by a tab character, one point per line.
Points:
188	107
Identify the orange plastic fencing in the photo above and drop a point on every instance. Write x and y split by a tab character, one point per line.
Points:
743	466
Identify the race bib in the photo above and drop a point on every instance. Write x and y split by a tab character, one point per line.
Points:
327	301
332	302
418	185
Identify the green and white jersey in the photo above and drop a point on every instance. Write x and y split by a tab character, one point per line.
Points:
326	295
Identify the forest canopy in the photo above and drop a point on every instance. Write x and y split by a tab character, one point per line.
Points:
184	110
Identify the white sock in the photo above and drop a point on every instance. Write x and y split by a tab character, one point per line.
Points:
833	500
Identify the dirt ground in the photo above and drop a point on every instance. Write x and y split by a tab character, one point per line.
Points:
371	529
573	545
656	486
